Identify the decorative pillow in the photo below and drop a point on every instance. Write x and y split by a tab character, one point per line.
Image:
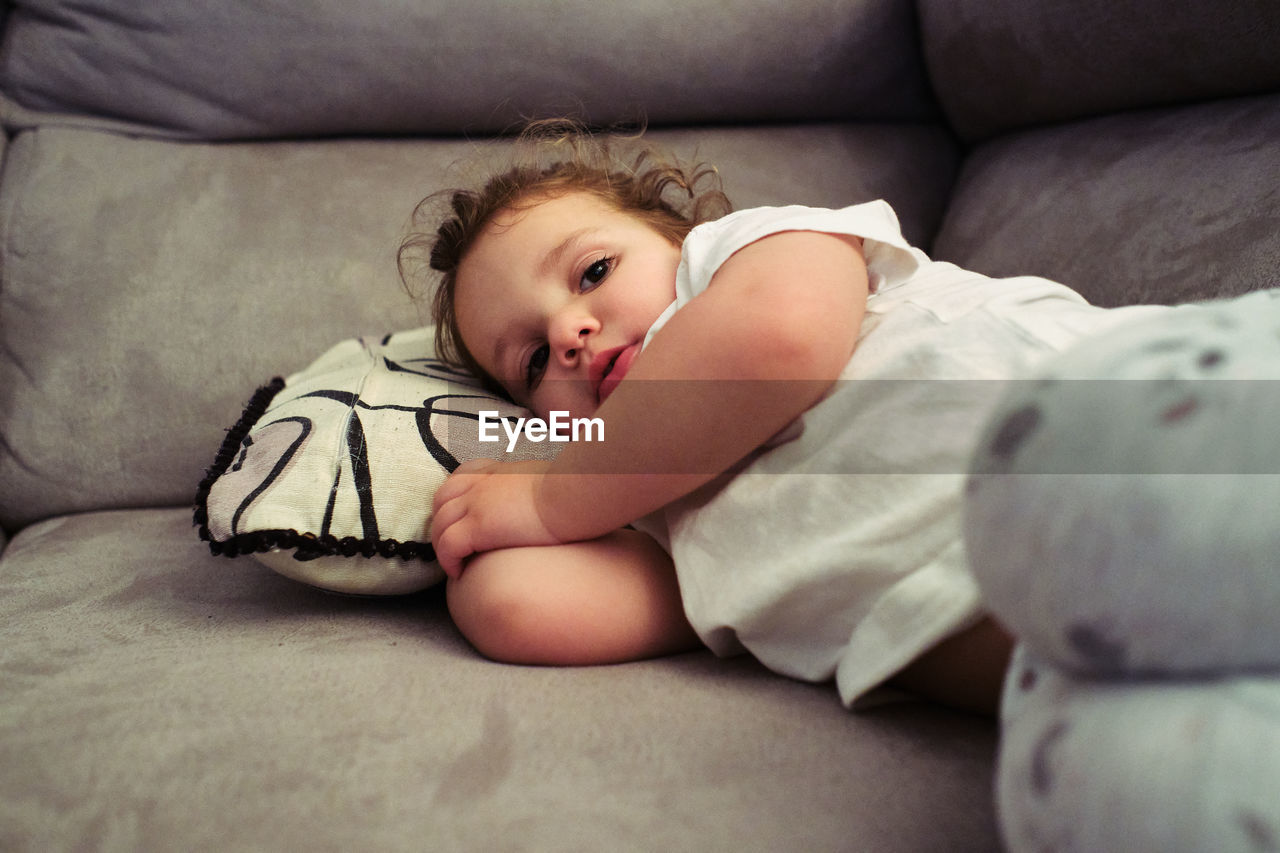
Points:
328	476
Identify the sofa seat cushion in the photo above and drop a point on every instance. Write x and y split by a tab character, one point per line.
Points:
154	692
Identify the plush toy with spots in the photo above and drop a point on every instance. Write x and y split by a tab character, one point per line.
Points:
1122	517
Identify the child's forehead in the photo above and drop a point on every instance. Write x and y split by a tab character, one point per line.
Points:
541	224
575	203
534	234
548	227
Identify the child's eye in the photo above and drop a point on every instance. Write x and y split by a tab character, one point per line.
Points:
595	274
536	367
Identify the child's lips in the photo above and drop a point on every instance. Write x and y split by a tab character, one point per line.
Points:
614	365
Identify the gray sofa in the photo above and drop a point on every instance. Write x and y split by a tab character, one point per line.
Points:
199	196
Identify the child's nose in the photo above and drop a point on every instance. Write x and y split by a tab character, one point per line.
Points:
569	334
571	350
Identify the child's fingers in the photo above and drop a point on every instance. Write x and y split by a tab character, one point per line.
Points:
451	534
445	516
459	481
452	547
451	489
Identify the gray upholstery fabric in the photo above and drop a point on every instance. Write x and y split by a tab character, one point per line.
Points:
1007	64
1161	207
198	196
157	698
316	67
151	286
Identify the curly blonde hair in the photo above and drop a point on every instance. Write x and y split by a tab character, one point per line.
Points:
553	158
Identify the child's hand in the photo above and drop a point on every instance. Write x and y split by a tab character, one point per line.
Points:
486	505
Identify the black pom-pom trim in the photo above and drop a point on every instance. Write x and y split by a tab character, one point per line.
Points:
306	546
309	546
253	412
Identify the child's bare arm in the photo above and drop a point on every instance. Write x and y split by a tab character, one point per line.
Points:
607	600
761	345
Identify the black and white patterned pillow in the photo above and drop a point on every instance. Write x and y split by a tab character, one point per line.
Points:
328	476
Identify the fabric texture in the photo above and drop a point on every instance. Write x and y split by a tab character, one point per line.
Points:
328	477
144	276
1139	474
150	286
1162	207
1007	65
861	568
157	697
1162	766
328	67
1120	521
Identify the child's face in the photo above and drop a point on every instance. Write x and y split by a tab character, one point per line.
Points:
554	300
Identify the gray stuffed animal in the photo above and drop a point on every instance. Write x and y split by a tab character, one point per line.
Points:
1122	517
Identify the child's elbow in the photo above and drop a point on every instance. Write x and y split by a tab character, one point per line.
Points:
498	613
603	601
514	606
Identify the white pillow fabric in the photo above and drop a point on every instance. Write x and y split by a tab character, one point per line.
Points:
328	476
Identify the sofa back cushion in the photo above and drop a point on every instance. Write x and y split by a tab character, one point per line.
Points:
1003	64
149	286
1149	206
144	280
211	70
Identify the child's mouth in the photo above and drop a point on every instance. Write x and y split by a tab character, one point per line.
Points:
614	371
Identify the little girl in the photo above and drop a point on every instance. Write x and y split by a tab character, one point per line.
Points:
787	426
